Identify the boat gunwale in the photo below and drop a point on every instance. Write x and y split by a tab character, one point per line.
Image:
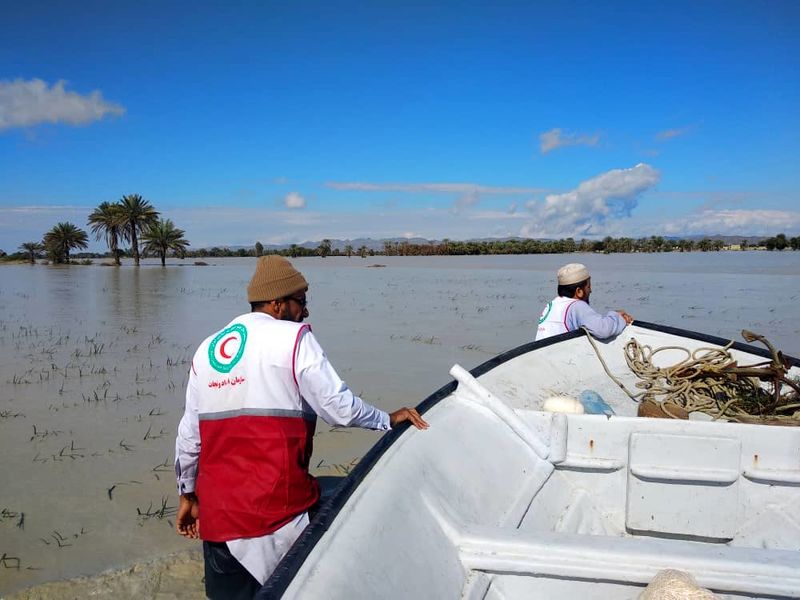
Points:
291	563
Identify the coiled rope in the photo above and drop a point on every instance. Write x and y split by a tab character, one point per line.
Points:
709	380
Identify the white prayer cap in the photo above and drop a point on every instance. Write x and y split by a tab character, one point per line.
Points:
572	273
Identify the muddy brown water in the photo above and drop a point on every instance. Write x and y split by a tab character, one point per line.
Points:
94	361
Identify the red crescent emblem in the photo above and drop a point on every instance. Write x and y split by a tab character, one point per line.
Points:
222	347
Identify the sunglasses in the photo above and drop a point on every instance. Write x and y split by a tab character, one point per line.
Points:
301	301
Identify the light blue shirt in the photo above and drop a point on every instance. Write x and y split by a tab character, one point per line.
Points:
580	314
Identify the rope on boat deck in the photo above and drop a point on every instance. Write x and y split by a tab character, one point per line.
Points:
634	397
709	380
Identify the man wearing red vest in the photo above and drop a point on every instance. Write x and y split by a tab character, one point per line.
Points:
245	440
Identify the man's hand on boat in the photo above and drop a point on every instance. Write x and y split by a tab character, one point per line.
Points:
626	316
187	524
407	414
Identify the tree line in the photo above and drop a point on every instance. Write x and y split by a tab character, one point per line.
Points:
608	245
131	220
294	250
781	242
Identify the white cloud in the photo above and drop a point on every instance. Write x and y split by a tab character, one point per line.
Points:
435	188
610	195
556	138
230	225
27	223
668	134
496	215
218	225
466	200
735	222
294	200
27	103
469	194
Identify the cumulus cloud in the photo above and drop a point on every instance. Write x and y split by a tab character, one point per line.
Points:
611	195
27	103
735	222
294	200
556	138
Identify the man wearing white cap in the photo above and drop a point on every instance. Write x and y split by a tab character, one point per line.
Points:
570	310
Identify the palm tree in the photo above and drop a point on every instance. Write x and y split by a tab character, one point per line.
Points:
31	249
704	245
324	248
348	250
62	238
163	236
137	216
106	222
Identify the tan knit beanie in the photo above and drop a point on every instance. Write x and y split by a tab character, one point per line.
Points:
275	277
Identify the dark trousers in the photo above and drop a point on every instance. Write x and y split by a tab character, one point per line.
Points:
226	578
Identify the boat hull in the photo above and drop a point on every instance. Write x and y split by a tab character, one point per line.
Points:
501	500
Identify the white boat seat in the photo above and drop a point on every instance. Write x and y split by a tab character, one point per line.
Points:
754	571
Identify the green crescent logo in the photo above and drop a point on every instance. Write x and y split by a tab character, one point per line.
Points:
546	312
221	353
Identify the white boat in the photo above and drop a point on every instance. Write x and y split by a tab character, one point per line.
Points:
499	500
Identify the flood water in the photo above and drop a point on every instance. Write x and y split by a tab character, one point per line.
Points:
94	361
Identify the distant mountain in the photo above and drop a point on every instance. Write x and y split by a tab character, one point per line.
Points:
356	243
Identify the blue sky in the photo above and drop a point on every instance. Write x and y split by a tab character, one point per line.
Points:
294	121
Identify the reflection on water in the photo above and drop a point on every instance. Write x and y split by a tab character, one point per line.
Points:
93	364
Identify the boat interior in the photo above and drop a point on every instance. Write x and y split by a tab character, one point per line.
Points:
498	500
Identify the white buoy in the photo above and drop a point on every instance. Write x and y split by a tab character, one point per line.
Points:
563	404
671	584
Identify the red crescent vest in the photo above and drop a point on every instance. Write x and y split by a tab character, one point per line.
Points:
553	319
255	430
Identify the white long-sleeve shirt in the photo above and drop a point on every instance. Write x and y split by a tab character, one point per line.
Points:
324	393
